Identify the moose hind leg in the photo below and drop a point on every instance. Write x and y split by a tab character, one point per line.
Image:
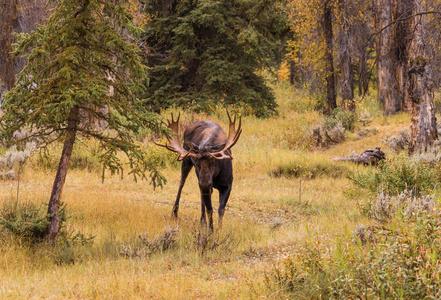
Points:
185	170
224	194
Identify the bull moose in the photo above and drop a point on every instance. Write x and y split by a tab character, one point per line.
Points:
207	148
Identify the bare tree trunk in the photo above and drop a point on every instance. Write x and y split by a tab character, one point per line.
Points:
423	129
329	60
363	79
8	15
54	202
401	41
15	16
346	82
359	40
387	84
292	72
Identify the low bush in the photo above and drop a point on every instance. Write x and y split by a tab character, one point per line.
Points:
397	142
204	241
396	175
311	169
293	132
348	119
399	262
159	243
365	118
321	136
27	221
12	162
383	207
366	132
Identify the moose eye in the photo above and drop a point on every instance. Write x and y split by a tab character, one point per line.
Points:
217	147
191	146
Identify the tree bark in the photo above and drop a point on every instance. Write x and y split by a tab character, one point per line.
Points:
402	10
8	14
387	81
331	94
346	82
423	129
361	39
54	202
292	71
16	16
368	157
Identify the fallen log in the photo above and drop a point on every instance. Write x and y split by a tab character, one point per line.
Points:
368	157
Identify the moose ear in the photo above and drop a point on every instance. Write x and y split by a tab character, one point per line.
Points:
191	146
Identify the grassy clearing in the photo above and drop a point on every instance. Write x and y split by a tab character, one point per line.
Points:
285	194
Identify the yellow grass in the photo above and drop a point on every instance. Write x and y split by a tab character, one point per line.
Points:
267	219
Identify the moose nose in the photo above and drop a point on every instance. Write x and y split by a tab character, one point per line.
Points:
205	184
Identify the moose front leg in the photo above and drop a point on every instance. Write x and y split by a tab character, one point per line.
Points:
206	205
185	170
224	194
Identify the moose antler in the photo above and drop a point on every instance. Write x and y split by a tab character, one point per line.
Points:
174	144
233	136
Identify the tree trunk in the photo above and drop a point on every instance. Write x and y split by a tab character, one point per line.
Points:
16	16
400	48
363	78
423	129
8	15
387	84
346	83
54	202
331	94
292	71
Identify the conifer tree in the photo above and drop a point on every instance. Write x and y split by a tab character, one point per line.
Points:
80	65
209	52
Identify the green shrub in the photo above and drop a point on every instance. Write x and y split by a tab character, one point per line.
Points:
303	275
28	221
399	262
384	207
403	264
310	169
347	118
396	175
397	142
293	131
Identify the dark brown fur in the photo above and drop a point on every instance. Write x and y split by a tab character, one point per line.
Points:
203	138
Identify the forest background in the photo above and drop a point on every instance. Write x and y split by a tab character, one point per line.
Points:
312	81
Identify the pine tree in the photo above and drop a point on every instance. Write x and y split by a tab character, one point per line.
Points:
80	65
211	52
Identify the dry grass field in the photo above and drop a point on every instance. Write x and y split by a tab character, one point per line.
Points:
268	218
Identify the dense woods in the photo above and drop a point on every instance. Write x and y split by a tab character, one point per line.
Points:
205	53
336	174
